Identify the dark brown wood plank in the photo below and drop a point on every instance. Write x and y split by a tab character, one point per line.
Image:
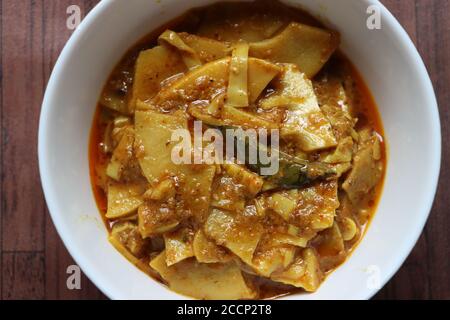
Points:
23	275
405	12
422	275
22	69
33	35
411	281
401	284
57	261
433	36
57	258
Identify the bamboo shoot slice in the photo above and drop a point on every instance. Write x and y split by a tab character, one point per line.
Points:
206	251
366	172
188	55
122	155
204	280
211	80
307	47
270	258
152	67
260	74
156	218
304	123
303	273
126	239
195	190
207	49
178	246
237	93
239	237
317	204
238	117
153	139
123	199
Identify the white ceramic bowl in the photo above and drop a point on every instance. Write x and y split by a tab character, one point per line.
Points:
387	60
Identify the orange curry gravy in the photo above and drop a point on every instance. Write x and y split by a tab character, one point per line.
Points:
338	66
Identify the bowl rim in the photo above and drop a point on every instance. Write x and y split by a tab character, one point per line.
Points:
57	74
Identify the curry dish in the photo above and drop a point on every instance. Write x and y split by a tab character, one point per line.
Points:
224	230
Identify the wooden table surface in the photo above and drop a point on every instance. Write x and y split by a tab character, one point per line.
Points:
33	258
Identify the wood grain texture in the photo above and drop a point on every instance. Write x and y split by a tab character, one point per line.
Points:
21	268
424	275
33	260
22	58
